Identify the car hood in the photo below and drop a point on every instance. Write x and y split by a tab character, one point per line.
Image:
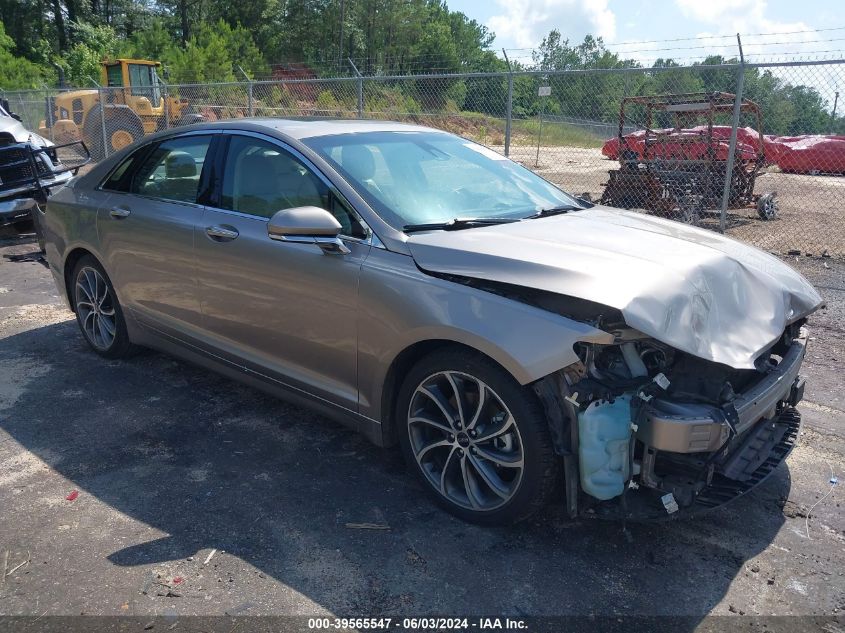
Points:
20	133
693	289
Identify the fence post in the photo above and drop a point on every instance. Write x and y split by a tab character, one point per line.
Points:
49	111
249	99
103	122
165	99
509	108
166	107
102	117
540	121
360	87
729	166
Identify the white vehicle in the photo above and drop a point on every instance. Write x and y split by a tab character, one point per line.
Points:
29	169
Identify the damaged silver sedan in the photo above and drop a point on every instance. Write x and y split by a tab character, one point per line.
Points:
520	344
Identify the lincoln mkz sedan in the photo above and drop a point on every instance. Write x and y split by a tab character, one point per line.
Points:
519	343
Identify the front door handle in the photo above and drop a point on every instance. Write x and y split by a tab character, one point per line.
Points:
221	233
118	213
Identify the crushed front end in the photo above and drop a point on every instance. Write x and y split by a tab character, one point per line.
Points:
648	431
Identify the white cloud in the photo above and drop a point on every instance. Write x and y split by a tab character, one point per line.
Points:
780	40
749	18
524	23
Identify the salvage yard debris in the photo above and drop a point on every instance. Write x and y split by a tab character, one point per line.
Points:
5	564
802	154
833	481
680	171
209	557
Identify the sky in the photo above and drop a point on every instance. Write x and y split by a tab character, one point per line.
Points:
521	24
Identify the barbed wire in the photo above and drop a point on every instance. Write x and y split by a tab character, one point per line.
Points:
755	47
732	36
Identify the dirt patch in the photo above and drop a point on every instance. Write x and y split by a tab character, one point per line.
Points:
811	216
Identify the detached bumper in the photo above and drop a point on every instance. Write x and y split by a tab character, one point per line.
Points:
697	428
17	210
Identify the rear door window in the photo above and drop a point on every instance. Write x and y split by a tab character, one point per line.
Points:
172	170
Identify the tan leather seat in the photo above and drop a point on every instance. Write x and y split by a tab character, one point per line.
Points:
181	179
267	183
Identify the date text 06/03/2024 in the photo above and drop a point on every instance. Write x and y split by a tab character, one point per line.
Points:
417	624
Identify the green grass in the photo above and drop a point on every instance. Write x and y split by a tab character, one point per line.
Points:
490	130
556	134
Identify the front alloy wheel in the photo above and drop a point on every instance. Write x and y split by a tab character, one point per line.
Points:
478	440
465	441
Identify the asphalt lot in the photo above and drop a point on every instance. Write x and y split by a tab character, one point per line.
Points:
199	496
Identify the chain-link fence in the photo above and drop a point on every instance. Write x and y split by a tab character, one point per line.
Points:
747	149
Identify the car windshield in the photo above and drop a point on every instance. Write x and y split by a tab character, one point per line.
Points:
414	178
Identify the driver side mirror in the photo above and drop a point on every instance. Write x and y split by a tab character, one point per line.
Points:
307	225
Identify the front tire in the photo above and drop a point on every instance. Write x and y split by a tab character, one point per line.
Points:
476	438
98	311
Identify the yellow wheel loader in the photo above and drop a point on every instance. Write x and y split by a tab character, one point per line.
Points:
133	104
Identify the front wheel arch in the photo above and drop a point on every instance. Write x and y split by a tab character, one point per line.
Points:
400	366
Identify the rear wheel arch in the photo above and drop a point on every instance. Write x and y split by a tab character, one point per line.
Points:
101	320
71	260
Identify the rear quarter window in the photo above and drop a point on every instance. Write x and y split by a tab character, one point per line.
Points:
118	179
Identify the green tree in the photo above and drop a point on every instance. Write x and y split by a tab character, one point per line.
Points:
93	44
213	54
156	42
17	72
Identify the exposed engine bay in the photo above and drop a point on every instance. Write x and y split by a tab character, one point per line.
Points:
649	428
655	431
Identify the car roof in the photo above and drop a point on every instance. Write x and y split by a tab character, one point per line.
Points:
311	128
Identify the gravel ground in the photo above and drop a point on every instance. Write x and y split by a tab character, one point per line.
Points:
811	217
199	496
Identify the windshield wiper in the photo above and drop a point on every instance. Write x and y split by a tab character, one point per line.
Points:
457	224
564	208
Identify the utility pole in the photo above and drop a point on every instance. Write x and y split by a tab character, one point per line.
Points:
833	114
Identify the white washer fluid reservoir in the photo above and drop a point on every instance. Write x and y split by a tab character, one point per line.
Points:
604	435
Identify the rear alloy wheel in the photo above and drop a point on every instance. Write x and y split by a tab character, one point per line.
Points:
97	310
477	439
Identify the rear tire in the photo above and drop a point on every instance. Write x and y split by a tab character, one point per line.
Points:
98	312
492	464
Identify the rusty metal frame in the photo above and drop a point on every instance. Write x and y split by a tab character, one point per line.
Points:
704	105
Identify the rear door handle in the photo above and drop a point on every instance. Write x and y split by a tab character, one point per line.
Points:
221	233
118	213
